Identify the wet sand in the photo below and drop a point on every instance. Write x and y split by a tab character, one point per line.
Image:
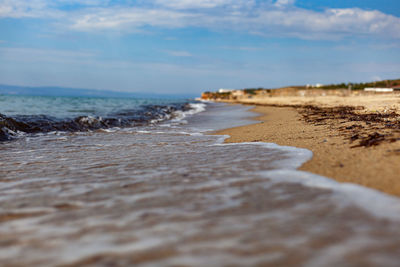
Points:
347	148
167	195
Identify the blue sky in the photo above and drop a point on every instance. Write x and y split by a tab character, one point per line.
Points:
189	46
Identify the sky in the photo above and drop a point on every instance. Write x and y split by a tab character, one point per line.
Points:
190	46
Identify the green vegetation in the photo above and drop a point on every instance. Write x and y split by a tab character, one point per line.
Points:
252	91
361	86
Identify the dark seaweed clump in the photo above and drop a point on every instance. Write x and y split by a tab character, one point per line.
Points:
31	124
369	129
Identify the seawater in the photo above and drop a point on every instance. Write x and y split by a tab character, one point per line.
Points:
70	107
21	115
172	194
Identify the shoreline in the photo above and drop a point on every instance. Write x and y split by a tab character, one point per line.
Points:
375	164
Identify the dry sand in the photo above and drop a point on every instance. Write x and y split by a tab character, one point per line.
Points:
334	141
372	102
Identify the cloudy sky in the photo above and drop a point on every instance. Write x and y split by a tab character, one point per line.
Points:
188	46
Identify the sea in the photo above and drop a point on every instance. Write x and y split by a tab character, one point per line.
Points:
145	182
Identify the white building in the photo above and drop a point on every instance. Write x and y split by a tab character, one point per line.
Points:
374	89
222	90
318	85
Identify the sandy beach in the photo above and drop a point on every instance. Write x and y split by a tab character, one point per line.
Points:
354	139
170	194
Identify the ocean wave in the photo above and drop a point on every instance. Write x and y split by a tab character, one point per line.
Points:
19	125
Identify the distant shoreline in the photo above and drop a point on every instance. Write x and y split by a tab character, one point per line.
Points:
56	91
354	138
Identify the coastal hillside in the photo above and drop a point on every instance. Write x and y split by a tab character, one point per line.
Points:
353	133
341	89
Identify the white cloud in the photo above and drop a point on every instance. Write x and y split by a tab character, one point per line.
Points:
130	18
265	20
179	53
272	18
188	4
32	8
282	3
42	8
332	23
81	2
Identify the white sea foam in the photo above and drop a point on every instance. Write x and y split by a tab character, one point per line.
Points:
110	130
194	109
298	156
150	188
375	202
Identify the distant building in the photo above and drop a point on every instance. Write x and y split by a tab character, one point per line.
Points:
317	85
222	90
376	89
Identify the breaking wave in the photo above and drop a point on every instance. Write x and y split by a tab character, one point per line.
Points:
12	127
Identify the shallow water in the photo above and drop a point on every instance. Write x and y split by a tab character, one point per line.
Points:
172	195
29	115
